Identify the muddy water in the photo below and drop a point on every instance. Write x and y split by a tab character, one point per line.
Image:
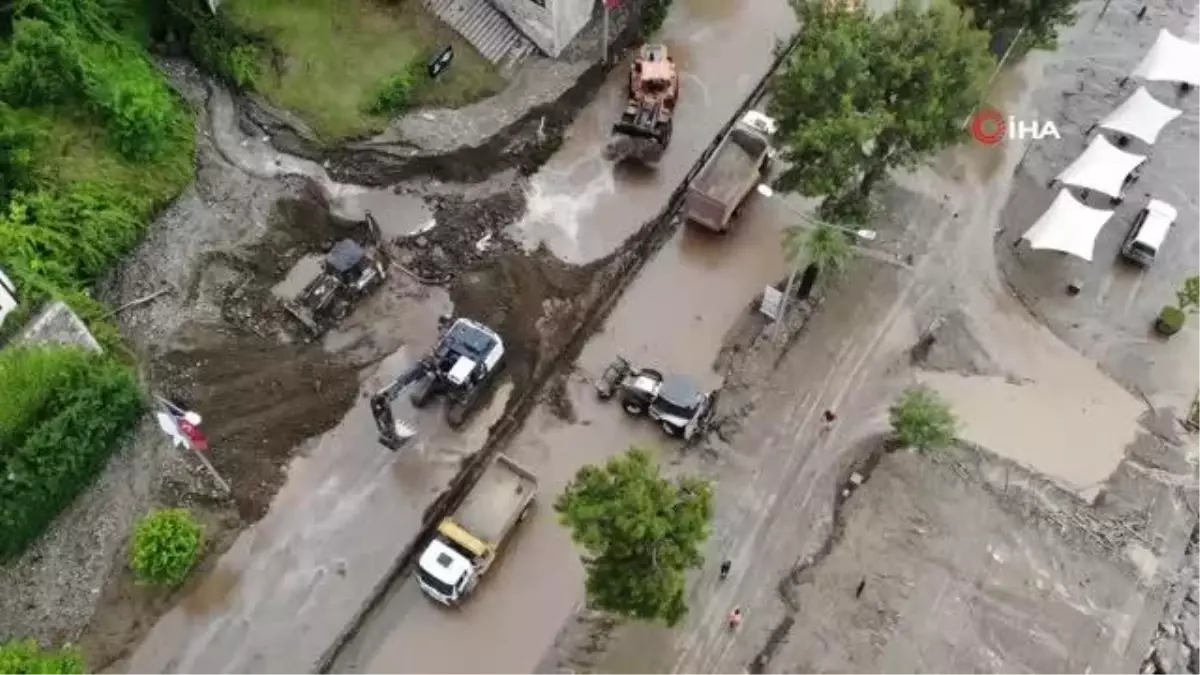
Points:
398	215
581	205
675	317
290	583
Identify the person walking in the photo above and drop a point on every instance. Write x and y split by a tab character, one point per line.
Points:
735	618
725	567
828	418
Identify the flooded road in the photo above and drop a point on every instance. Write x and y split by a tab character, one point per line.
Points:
294	579
581	205
675	317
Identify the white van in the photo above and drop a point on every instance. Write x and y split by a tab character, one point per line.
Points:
1149	230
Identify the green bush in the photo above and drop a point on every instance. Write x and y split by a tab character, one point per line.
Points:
30	378
922	420
25	656
396	93
1171	320
18	146
65	440
654	13
214	41
166	546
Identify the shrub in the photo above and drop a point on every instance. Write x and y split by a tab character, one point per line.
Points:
30	377
18	144
395	94
166	546
25	656
1170	320
43	67
922	420
63	446
654	13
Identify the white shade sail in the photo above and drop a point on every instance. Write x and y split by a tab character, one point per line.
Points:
1102	167
1068	226
1140	116
1171	59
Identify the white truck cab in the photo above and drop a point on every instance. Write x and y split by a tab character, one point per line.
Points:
445	574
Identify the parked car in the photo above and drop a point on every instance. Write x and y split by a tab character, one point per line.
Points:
1148	233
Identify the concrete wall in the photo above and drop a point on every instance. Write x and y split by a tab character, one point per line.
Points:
550	24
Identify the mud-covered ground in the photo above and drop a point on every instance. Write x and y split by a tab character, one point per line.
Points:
220	342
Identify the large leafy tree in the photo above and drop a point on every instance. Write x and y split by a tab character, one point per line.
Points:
640	532
864	94
1004	19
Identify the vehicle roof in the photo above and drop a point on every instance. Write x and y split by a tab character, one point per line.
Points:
1158	220
471	339
656	70
345	255
681	391
443	562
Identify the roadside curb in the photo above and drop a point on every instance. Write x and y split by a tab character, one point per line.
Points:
649	239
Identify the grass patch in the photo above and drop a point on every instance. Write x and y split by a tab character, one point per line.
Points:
75	151
334	56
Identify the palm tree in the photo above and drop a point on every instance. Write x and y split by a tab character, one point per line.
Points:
824	246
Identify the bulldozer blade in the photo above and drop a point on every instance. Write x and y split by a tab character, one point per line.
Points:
632	130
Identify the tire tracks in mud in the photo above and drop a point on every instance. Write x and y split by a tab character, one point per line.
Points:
615	272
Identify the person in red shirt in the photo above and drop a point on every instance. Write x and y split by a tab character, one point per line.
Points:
735	618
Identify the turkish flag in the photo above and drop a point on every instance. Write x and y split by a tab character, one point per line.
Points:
197	438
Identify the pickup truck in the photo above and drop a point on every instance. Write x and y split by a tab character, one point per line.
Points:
741	161
468	541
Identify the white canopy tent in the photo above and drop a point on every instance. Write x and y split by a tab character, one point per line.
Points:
1171	59
1102	167
1068	226
1140	116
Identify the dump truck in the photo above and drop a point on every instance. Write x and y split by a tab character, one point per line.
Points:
468	541
644	130
741	161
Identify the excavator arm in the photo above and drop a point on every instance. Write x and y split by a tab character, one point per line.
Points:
393	434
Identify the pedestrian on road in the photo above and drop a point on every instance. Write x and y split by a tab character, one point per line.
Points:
725	566
735	618
827	420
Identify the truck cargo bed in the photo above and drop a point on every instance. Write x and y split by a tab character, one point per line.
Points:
493	505
734	168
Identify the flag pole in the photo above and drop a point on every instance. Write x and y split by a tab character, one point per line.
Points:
176	411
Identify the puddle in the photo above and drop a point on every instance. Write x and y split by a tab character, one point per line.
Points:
398	215
304	271
1060	427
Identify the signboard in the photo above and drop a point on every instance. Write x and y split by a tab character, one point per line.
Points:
8	296
441	62
771	302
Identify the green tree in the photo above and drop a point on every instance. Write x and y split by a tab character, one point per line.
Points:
25	656
1187	301
862	95
922	420
166	546
823	246
640	533
1004	19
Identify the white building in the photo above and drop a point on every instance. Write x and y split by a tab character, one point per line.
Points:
549	24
